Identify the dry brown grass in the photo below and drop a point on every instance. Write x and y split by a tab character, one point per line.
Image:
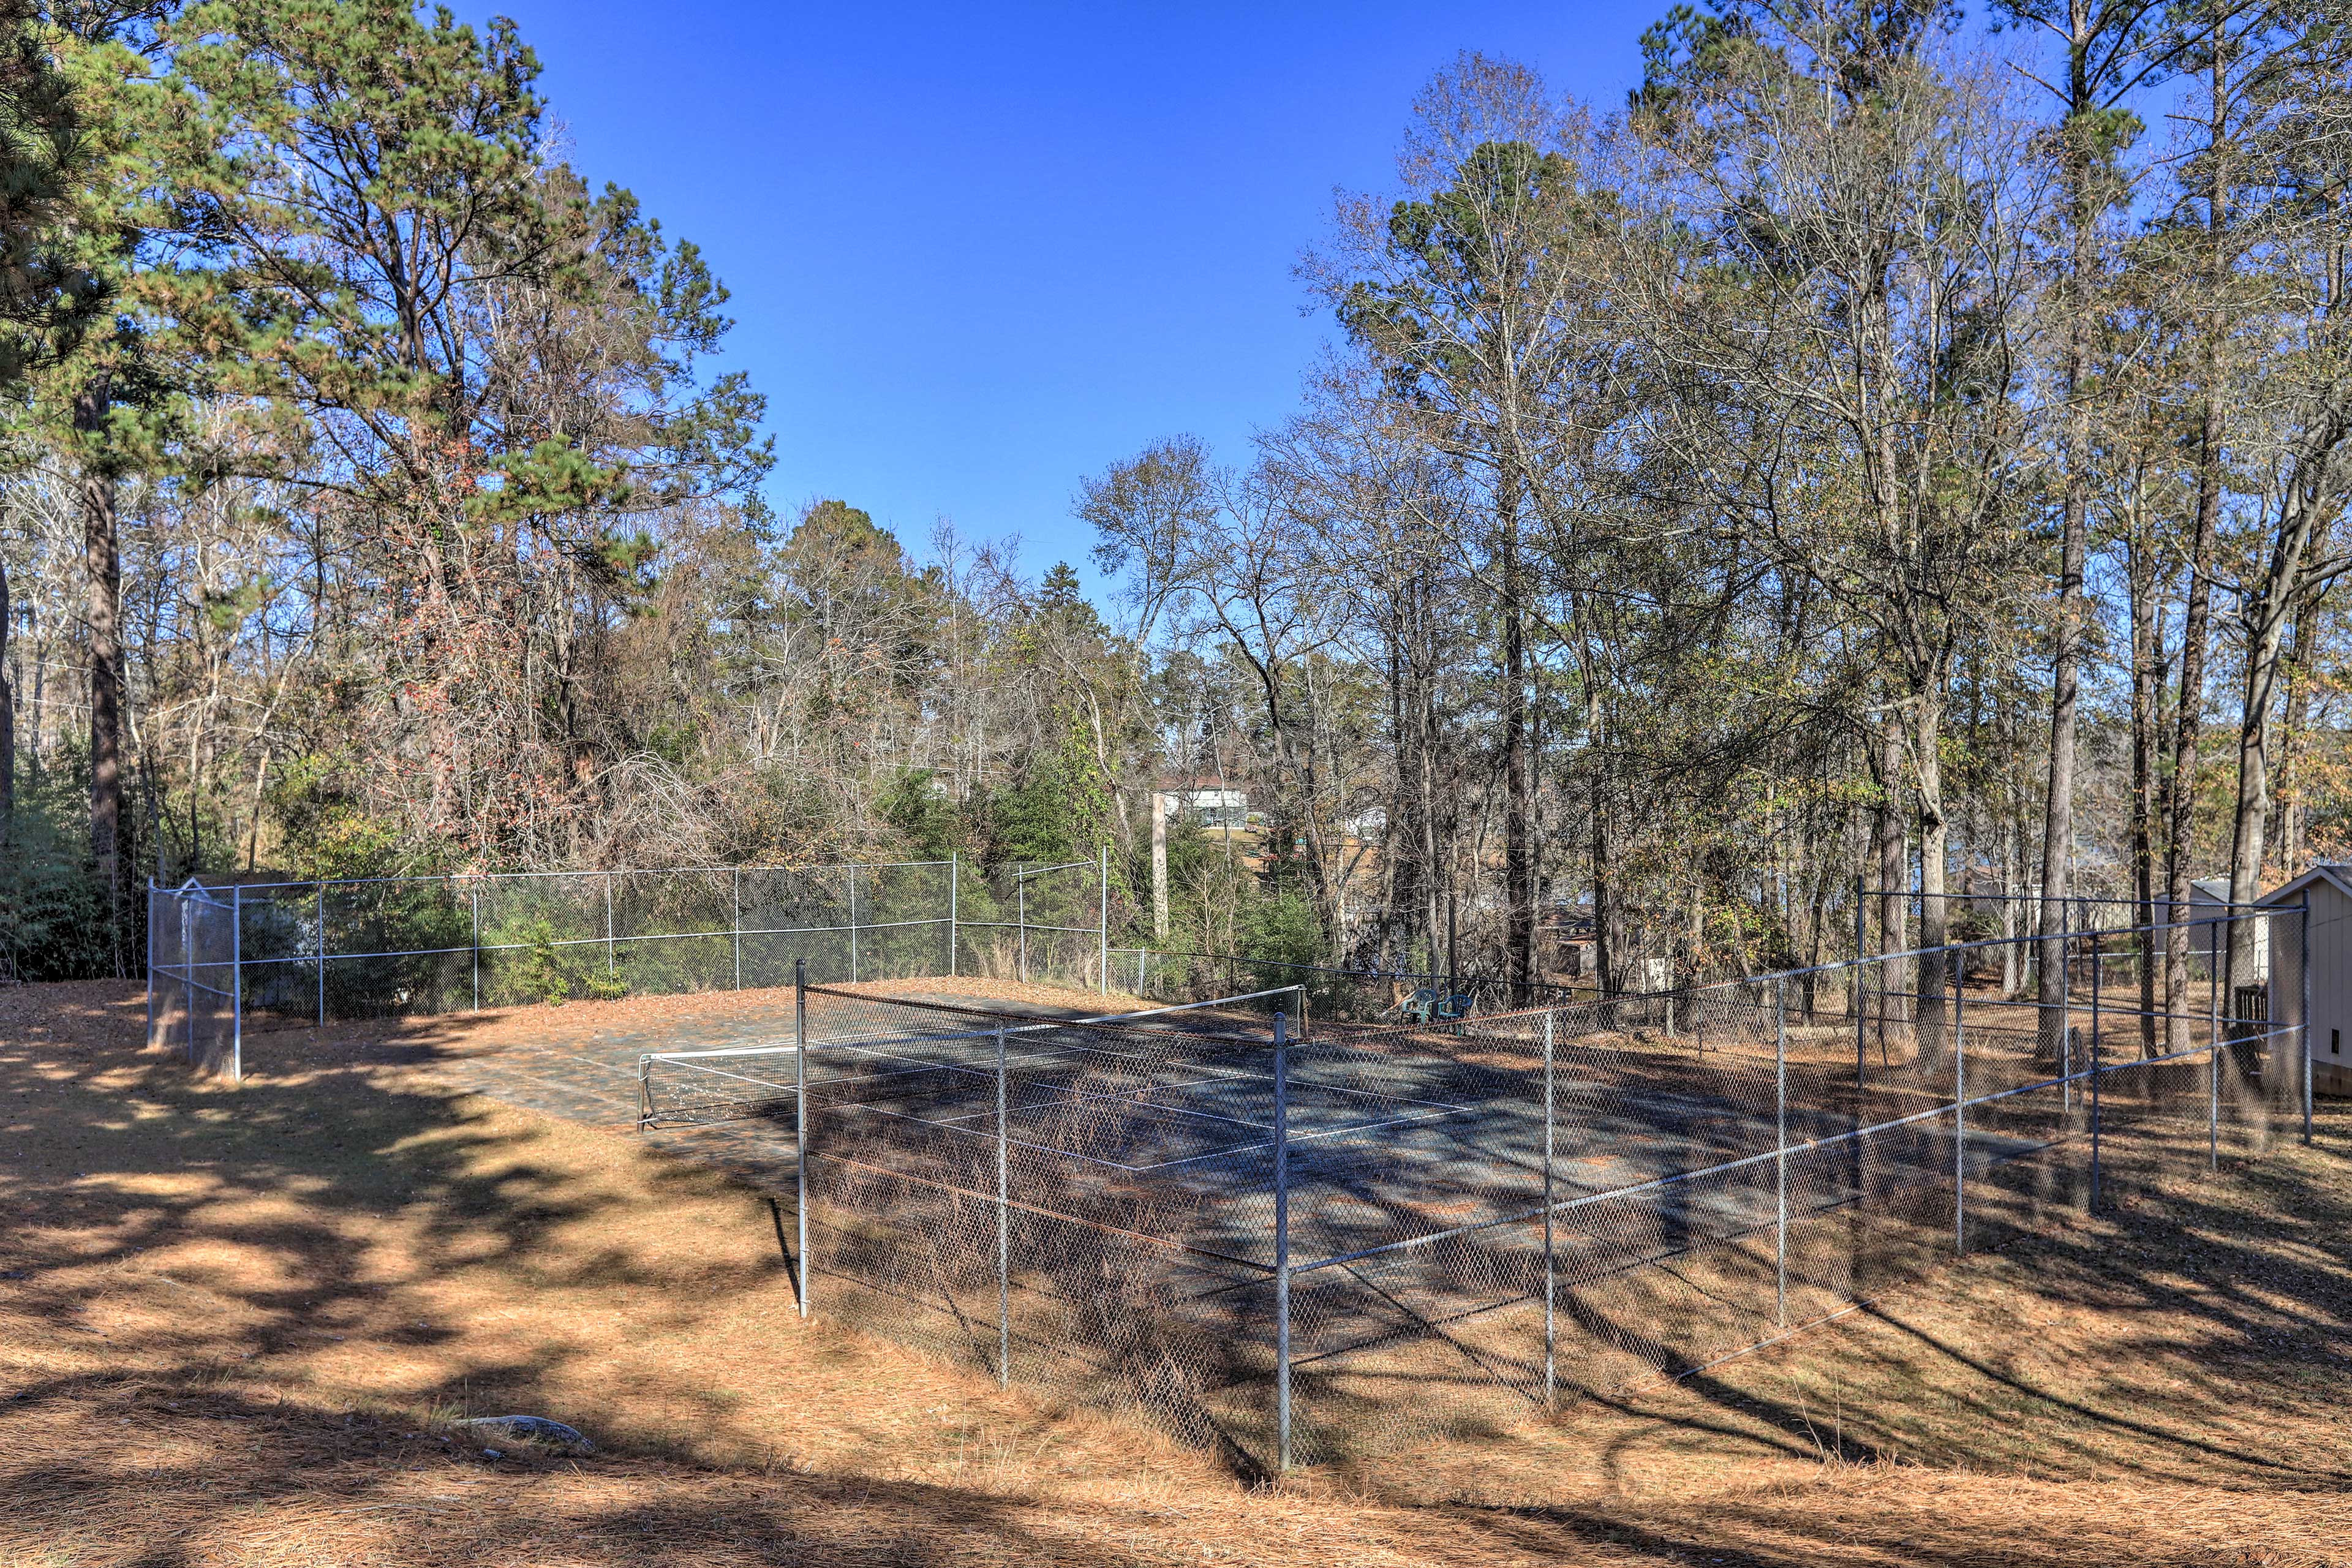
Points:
234	1322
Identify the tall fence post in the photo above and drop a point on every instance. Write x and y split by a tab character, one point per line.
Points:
1861	1029
2095	1124
955	882
2303	1022
2067	993
1102	914
2213	1105
735	918
608	924
2098	976
1959	1108
852	925
322	954
188	971
1781	1157
474	893
801	1119
1282	1236
1003	1227
1551	1341
236	984
1021	916
150	1040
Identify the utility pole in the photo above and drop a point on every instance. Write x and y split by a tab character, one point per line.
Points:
1159	866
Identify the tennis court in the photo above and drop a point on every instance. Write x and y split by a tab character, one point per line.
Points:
1363	1237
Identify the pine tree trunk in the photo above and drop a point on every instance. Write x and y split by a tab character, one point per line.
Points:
102	569
7	722
2147	658
1518	763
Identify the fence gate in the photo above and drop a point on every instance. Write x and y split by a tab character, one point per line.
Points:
193	991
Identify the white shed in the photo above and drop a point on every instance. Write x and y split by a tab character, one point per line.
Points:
2329	889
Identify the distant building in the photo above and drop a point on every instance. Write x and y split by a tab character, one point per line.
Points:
2329	978
1208	805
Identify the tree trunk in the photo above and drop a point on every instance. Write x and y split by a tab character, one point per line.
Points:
1926	742
2146	660
2058	813
2181	797
1889	981
2288	806
103	568
7	722
1518	766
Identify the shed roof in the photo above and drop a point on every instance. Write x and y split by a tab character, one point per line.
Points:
2338	877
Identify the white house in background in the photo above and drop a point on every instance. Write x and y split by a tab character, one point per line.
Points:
1210	806
2329	889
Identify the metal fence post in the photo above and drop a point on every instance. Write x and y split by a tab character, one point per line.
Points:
475	893
800	1119
2099	983
1861	1029
2095	1124
150	1040
1282	1235
2302	1023
1552	1343
1102	916
735	918
1003	1228
955	881
236	984
188	971
1021	916
2213	1105
852	925
322	955
2066	992
1961	1110
1780	1157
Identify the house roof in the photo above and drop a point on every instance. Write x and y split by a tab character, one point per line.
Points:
2338	877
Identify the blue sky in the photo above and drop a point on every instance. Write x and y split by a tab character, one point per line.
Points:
980	251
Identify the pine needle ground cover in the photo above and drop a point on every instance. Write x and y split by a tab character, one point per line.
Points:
238	1326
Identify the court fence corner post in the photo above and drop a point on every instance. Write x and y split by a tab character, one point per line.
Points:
1282	1239
236	984
2067	993
1551	1332
1861	1028
2090	1203
1961	1106
150	1039
735	918
1779	1155
609	964
473	895
852	925
955	884
322	954
800	1123
1004	1226
1102	915
187	976
2303	1016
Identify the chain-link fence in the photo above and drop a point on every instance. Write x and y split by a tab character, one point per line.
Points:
1292	1250
298	952
1046	924
193	978
1352	995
